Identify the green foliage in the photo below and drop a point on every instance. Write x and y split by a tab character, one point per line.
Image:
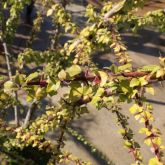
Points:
8	24
70	66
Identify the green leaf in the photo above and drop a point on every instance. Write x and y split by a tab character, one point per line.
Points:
49	12
127	144
20	79
150	90
134	82
40	92
76	91
135	108
144	131
150	68
72	47
86	32
4	96
154	161
32	76
29	98
137	117
1	78
87	90
143	81
157	141
95	100
122	131
73	70
147	142
52	87
160	73
162	61
125	67
124	84
9	86
104	78
62	75
100	92
134	92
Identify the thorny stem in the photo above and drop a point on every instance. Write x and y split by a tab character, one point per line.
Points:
55	38
64	127
60	139
122	119
90	77
149	126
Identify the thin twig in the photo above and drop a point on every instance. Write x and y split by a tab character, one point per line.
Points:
29	114
7	56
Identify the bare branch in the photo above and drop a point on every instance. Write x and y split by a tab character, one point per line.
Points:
29	114
116	8
7	56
